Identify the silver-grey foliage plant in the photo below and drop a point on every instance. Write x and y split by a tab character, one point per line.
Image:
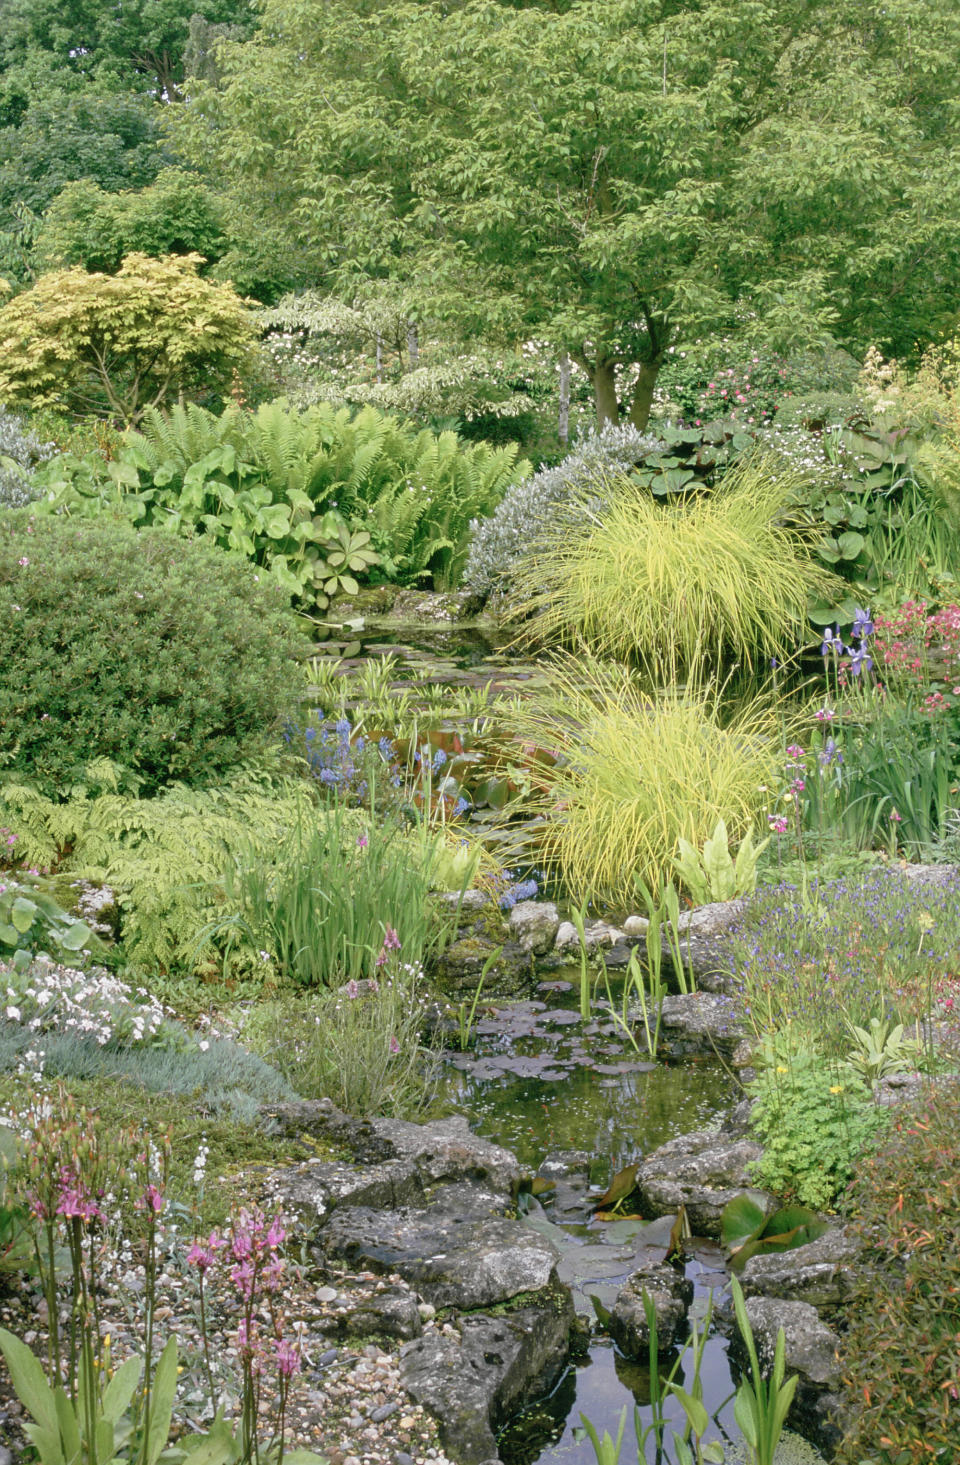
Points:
20	452
529	508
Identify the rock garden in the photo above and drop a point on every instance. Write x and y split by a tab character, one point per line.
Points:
479	905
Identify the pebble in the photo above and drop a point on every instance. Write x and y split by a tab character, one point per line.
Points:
384	1412
7	1459
330	1356
326	1294
402	1458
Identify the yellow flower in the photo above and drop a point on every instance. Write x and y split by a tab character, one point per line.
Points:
836	1088
781	1068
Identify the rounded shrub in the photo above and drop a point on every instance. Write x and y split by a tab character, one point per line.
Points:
164	656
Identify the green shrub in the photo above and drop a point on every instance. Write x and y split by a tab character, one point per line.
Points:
679	585
814	1119
262	483
635	776
163	657
900	1348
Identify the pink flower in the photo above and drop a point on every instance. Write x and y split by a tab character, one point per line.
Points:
276	1236
798	785
394	1046
152	1199
362	841
201	1257
391	941
825	714
795	751
242	1277
288	1359
778	824
24	561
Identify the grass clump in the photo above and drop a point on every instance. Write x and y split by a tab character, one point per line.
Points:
900	1349
681	585
635	775
360	1046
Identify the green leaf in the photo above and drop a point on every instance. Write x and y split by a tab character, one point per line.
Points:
68	1426
161	1402
27	1377
696	1414
23	914
120	1390
850	544
75	937
741	1219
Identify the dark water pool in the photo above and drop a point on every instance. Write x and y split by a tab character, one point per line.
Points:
540	1081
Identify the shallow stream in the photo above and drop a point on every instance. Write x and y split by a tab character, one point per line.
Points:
539	1081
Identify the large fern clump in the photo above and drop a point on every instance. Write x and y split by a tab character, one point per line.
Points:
276	484
164	858
166	658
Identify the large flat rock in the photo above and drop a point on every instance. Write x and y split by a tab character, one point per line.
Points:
702	1172
452	1262
821	1273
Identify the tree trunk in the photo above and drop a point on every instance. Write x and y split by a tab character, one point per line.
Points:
413	345
643	393
379	358
563	415
605	392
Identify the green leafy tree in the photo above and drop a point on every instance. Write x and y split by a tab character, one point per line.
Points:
86	225
65	135
614	176
139	44
118	344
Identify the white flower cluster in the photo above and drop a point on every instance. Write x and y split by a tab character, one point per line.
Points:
529	508
47	998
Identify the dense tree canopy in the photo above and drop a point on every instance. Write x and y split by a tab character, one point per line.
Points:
136	44
614	176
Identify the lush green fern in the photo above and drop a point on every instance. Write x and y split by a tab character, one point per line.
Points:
256	481
163	857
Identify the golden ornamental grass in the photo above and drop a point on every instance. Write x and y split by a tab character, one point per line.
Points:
679	587
637	773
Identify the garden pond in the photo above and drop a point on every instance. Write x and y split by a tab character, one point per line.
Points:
541	1082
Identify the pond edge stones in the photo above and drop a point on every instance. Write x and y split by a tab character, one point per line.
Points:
429	1204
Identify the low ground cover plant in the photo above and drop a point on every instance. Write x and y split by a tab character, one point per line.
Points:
814	1119
872	945
899	1357
360	1045
163	657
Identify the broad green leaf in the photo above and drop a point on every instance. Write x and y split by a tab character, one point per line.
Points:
161	1402
740	1219
29	1381
75	937
23	914
120	1390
